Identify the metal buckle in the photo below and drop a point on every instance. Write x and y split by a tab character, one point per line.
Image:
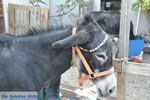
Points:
92	75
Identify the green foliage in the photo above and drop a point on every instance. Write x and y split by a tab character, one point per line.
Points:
36	2
68	6
144	4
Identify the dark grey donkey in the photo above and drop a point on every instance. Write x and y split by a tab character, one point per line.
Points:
109	21
27	62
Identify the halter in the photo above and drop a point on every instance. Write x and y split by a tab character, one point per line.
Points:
90	72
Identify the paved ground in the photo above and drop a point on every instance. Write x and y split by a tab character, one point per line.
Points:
146	58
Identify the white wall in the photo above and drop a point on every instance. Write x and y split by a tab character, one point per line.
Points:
22	2
67	19
96	5
144	21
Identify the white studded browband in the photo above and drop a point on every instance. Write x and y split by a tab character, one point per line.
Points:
95	49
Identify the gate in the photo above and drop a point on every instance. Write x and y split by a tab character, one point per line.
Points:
21	18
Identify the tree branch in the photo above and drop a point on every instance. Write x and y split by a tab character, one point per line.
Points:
31	2
65	13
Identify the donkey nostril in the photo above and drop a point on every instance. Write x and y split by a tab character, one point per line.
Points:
110	91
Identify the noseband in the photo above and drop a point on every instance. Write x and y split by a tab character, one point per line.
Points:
90	72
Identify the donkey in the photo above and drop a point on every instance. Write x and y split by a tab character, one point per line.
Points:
27	62
109	21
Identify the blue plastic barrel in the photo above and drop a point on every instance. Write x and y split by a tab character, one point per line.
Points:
136	46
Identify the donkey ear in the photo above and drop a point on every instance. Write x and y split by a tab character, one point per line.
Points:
87	18
72	40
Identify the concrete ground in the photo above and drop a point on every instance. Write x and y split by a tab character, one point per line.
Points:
146	58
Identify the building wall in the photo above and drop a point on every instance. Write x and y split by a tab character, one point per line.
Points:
66	19
144	22
52	5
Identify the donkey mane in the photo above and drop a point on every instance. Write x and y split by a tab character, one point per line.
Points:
49	29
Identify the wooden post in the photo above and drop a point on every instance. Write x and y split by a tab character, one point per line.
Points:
123	47
11	19
2	22
124	29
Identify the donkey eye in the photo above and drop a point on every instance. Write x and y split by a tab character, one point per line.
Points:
100	56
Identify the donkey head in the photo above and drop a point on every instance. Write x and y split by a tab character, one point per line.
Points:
96	47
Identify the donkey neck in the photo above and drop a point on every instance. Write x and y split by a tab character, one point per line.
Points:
57	60
45	38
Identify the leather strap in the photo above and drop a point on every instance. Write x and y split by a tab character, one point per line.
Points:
96	75
84	60
73	57
73	48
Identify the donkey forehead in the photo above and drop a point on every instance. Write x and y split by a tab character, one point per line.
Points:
89	26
